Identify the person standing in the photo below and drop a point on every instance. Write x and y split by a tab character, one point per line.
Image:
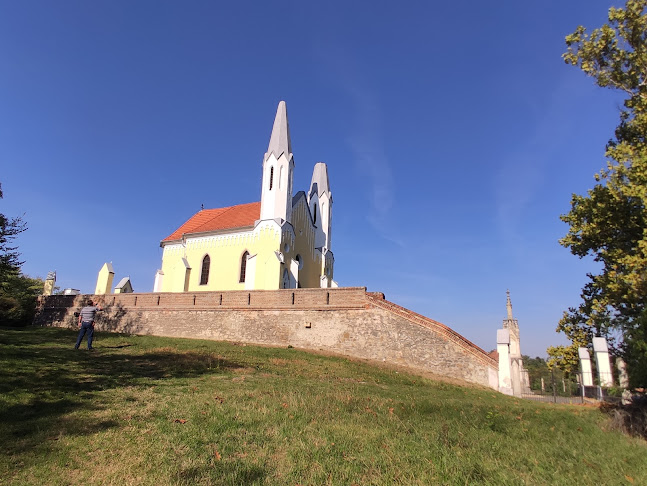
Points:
86	322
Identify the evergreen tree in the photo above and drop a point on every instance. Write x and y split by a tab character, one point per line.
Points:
17	292
9	257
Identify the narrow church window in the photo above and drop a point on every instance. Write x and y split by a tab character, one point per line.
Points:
314	213
243	267
271	177
204	276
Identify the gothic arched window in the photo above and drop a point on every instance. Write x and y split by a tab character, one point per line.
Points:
314	214
243	266
204	275
271	177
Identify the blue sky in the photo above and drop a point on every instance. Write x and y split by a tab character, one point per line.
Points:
453	132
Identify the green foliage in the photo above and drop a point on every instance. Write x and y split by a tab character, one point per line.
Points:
149	410
537	369
566	358
9	257
610	222
555	379
18	294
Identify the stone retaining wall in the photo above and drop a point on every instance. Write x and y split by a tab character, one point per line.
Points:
346	321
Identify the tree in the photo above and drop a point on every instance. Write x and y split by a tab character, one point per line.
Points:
18	300
9	257
17	291
610	222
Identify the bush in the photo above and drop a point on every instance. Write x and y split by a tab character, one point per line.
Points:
630	419
18	295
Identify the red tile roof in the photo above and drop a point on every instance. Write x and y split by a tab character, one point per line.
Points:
243	215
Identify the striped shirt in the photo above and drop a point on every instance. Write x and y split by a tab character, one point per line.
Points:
87	313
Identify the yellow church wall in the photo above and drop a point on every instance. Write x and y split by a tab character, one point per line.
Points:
268	266
303	245
104	279
173	269
225	252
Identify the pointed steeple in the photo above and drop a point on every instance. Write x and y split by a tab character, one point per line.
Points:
278	170
320	178
280	138
508	304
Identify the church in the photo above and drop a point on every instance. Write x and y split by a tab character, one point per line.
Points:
281	242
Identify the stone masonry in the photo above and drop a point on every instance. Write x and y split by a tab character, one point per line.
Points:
347	321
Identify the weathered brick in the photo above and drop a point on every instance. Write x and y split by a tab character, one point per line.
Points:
347	321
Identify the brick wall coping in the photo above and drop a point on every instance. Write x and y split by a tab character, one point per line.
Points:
302	299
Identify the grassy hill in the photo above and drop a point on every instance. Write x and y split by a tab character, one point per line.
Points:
148	410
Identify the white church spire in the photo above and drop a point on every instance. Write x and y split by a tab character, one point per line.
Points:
320	203
278	169
280	139
508	304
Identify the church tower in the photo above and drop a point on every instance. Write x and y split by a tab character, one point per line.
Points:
320	203
278	170
513	325
519	375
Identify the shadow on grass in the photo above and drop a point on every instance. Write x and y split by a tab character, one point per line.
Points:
43	379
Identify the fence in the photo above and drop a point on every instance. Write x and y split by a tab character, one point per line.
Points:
547	387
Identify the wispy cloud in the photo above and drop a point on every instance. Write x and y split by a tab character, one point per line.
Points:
366	139
524	172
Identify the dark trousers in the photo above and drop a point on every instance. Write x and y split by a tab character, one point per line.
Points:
86	327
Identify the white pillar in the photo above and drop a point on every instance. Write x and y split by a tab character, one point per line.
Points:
603	362
294	274
250	272
187	274
622	373
585	362
503	348
515	374
159	277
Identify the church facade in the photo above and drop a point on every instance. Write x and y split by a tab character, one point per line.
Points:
282	241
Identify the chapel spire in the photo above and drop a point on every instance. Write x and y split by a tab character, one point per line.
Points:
278	170
508	304
280	138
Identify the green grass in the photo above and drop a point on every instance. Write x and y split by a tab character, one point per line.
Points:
148	410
